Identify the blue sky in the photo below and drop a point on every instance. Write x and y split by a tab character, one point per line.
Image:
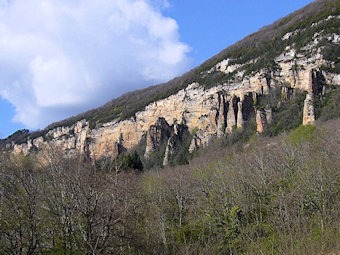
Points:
57	61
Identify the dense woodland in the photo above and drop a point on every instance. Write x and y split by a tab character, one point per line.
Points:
267	196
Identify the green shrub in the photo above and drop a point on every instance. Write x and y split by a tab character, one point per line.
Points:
302	134
288	116
194	131
327	107
131	161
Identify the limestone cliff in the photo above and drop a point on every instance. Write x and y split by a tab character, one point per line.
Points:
206	111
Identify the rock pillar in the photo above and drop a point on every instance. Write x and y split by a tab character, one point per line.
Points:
308	110
231	118
240	121
260	121
168	151
221	117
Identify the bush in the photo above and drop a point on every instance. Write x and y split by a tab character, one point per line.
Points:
131	161
327	107
302	134
288	116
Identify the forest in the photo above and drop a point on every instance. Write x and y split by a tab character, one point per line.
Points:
270	195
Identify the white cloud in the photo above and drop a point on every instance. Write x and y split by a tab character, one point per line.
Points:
58	58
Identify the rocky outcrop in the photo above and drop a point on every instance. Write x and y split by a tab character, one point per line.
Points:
240	120
211	111
260	121
179	133
168	151
157	134
221	120
263	118
195	144
308	110
231	118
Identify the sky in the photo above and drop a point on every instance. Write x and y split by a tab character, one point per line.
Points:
60	58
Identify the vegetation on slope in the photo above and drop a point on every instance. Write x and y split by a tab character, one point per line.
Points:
266	44
273	196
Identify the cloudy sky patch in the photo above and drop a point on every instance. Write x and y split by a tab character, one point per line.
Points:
58	58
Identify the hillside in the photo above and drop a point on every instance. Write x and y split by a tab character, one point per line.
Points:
238	156
270	196
257	85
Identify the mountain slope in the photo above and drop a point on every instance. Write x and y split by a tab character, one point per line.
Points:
253	81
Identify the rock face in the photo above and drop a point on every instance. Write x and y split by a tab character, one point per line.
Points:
308	110
240	121
178	134
168	151
211	111
221	120
260	121
263	118
156	134
195	144
231	118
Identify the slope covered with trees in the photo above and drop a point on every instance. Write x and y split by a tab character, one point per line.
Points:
270	196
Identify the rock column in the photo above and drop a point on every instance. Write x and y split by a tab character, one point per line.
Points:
149	143
240	121
308	110
231	119
260	121
168	151
221	119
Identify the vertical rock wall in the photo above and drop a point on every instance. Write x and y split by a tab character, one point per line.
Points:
211	112
221	120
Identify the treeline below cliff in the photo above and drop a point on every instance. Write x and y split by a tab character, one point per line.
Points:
269	196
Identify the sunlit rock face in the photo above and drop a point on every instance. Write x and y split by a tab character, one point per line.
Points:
260	121
308	111
240	120
205	112
213	112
